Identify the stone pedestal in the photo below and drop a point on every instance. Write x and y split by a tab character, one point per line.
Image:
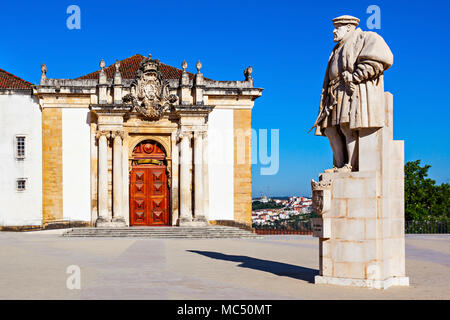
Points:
361	224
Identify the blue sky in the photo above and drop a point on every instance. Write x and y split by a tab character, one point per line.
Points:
286	42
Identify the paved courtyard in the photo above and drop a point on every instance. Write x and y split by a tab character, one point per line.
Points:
33	265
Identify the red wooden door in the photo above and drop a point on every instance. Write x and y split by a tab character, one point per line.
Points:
148	187
148	196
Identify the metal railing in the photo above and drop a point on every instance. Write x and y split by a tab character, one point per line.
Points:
304	227
427	227
284	227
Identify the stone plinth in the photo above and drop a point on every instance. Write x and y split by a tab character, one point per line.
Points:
362	241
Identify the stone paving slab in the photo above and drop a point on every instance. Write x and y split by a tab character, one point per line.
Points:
33	265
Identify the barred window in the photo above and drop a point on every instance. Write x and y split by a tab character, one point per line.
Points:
20	147
21	184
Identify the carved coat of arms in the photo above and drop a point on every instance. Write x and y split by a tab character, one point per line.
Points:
150	92
321	195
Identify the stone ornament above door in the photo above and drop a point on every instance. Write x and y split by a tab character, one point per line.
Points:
150	92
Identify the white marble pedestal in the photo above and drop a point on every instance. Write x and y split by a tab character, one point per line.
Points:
361	231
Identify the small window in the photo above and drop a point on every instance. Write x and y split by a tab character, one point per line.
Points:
21	184
20	147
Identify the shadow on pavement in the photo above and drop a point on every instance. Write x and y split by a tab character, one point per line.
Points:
277	268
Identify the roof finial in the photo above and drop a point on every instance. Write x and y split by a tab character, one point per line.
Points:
102	74
199	66
117	75
44	72
184	65
150	56
248	73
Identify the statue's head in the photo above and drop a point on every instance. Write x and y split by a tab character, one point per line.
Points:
344	25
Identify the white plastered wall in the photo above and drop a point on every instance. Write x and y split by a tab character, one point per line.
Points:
76	164
20	115
221	164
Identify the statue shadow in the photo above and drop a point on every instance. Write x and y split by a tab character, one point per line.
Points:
277	268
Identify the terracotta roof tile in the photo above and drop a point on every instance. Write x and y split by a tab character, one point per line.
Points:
10	81
129	66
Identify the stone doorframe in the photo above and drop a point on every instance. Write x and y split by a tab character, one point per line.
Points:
114	134
108	121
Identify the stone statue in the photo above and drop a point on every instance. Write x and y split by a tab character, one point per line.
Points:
360	202
353	90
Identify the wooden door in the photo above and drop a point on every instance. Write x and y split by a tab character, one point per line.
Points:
148	196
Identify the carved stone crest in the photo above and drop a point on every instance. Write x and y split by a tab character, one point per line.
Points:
321	195
150	92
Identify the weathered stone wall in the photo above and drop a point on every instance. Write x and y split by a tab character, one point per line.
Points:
52	173
242	166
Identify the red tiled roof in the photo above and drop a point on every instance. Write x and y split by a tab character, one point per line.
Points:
129	66
10	81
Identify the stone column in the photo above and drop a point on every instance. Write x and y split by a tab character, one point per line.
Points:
103	213
198	177
185	178
94	173
117	179
205	176
125	182
174	187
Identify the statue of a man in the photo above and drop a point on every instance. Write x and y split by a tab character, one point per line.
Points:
353	90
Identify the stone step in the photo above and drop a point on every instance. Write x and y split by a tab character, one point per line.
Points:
162	237
210	232
161	228
174	233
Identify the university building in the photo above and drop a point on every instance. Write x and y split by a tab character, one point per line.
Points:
137	143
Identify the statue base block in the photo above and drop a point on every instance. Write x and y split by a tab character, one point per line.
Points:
365	283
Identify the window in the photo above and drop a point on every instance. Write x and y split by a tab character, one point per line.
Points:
20	147
21	184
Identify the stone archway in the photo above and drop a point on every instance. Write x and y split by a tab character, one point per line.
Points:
149	188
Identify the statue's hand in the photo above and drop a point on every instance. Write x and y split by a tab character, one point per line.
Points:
348	77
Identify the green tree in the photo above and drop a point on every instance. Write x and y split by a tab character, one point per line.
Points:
424	200
258	205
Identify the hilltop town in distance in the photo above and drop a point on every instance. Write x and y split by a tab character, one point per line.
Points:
267	211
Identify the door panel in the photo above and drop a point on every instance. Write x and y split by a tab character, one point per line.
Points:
148	196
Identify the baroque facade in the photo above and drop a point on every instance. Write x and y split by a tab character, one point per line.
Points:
141	143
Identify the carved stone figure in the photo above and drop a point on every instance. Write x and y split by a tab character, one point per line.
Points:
248	73
150	92
353	90
44	72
